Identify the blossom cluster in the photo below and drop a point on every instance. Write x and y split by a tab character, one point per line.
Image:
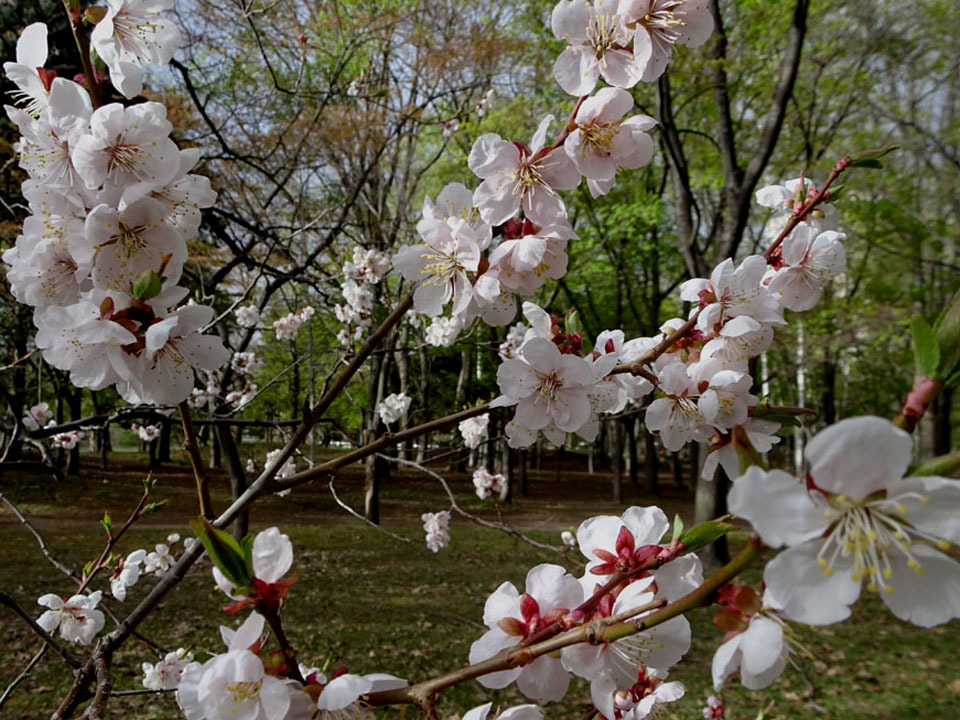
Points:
489	484
393	407
287	327
437	528
112	204
365	270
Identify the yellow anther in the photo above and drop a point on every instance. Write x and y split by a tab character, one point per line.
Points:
901	509
925	499
872	587
888	589
821	562
828	571
943	544
887	573
918	570
871	535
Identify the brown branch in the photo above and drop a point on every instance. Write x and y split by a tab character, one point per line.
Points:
83	47
192	446
98	708
24	674
637	366
113	539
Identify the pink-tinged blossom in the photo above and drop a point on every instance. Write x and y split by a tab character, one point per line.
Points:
738	341
67	440
437	528
661	24
755	646
546	386
174	350
48	141
159	561
726	449
455	203
681	415
248	316
598	45
272	558
519	712
126	574
489	484
602	142
630	388
511	345
791	195
234	685
520	178
77	618
810	260
474	430
128	151
647	696
367	266
27	73
286	328
165	673
856	519
714	708
37	416
613	666
183	197
246	363
440	265
133	31
733	292
550	594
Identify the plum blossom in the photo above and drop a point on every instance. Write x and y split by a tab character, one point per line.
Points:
76	618
598	42
474	430
450	127
661	24
487	485
733	292
248	316
442	331
568	538
647	696
241	398
437	527
246	363
286	327
27	73
286	470
272	560
393	407
339	696
856	519
367	265
511	345
67	440
37	416
753	436
520	178
132	32
147	433
791	196
126	574
520	712
681	415
602	142
235	685
550	594
755	643
810	260
159	561
613	666
165	673
525	261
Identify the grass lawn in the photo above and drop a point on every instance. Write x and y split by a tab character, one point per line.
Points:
375	604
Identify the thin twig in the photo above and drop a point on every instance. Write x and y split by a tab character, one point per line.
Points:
23	674
43	545
192	446
357	515
67	656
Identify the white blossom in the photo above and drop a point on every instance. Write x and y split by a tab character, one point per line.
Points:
165	673
437	527
393	407
474	430
76	618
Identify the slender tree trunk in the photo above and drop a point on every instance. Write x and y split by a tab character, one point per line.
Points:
236	475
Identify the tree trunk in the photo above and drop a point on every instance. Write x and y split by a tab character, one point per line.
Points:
163	451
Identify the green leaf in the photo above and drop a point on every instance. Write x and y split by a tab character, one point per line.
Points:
148	285
926	349
225	552
154	507
869	163
571	323
705	533
677	528
107	524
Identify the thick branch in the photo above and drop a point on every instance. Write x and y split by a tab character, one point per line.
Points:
67	656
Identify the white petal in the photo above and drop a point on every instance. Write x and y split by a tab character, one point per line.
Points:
761	645
804	592
778	506
544	680
927	599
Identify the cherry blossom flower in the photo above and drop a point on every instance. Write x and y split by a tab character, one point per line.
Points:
550	594
791	195
393	407
147	433
248	316
598	42
568	538
487	485
647	696
165	673
286	328
442	331
734	292
235	685
519	712
133	31
37	416
455	203
67	440
613	666
755	643
246	363
602	142
272	560
680	416
126	574
753	436
856	519
450	127
128	150
515	177
241	398
159	561
339	696
714	708
368	265
286	470
27	73
810	261
437	527
511	345
474	430
525	262
661	24
440	265
76	618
